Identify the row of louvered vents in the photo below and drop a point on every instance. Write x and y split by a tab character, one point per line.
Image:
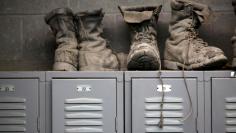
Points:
172	113
12	114
230	108
83	115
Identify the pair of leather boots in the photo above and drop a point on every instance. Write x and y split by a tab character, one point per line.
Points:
183	49
80	45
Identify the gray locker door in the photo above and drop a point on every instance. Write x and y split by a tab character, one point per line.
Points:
18	105
84	105
146	98
224	105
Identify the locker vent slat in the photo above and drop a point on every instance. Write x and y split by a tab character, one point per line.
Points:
166	100
12	114
167	121
83	100
83	108
83	123
165	129
231	129
83	115
230	114
172	112
83	130
12	128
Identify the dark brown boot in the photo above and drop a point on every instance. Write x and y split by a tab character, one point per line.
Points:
62	24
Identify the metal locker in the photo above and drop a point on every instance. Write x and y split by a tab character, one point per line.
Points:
220	101
144	96
20	102
87	102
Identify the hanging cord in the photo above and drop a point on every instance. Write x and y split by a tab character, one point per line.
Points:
187	89
161	122
192	35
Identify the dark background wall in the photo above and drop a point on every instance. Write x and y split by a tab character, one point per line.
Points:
26	42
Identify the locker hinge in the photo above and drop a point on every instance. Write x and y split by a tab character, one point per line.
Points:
116	125
196	125
38	124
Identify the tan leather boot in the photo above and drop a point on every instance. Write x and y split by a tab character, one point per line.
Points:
184	48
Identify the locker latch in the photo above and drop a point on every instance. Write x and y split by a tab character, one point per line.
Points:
84	88
166	88
7	88
232	74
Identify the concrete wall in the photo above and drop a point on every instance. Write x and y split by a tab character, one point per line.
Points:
27	43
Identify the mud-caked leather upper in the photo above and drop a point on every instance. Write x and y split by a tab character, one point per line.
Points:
62	25
184	46
142	20
94	53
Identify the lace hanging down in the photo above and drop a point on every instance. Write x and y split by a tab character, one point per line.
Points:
161	122
193	35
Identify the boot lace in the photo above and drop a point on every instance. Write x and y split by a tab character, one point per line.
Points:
194	36
143	37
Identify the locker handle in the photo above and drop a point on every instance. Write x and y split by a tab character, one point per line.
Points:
166	88
7	88
84	88
232	74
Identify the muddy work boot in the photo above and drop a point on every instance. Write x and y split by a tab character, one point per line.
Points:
234	39
144	53
62	25
184	49
94	54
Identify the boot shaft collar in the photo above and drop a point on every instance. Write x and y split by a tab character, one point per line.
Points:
138	14
182	9
92	13
58	12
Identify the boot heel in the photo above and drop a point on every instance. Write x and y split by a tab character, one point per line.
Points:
171	65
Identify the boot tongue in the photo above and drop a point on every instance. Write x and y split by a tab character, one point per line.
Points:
202	16
137	17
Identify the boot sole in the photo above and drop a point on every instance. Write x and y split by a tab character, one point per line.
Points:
215	63
143	62
96	68
62	66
